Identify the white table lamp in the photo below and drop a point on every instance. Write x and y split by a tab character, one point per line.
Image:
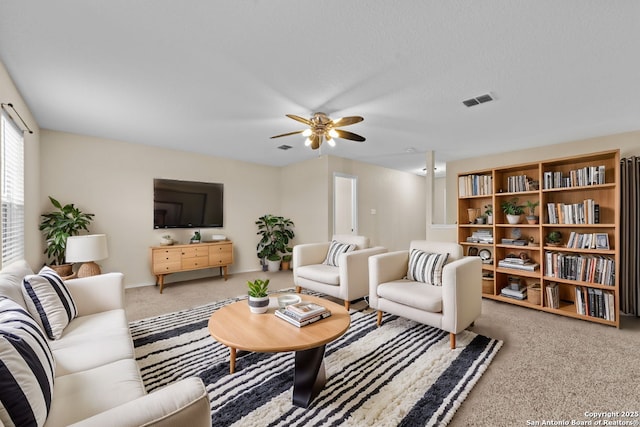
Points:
87	249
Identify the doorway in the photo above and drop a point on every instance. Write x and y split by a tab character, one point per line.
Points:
345	206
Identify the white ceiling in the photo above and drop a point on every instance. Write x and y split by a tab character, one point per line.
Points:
218	77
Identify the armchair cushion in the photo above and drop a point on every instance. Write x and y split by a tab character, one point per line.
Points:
49	301
335	250
413	294
320	273
426	267
26	368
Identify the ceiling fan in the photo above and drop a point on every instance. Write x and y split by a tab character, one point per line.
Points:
322	127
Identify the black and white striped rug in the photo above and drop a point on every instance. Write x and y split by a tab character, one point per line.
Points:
402	373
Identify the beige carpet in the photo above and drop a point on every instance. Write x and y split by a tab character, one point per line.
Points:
550	368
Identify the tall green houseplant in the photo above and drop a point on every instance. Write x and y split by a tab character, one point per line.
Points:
57	226
275	233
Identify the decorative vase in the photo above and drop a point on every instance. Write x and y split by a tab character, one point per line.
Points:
490	219
532	219
258	305
513	219
473	214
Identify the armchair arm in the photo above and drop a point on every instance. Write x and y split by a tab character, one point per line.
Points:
354	271
461	293
185	403
384	268
96	294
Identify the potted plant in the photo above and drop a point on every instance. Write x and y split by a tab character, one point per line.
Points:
554	238
532	218
488	211
286	261
166	240
513	210
258	297
196	237
57	226
275	233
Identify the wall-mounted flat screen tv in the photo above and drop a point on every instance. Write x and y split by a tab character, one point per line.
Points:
187	204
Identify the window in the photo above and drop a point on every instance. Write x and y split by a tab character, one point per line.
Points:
12	198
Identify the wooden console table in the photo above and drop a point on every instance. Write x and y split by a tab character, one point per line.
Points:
178	258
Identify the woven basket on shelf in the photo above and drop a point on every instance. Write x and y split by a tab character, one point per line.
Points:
533	294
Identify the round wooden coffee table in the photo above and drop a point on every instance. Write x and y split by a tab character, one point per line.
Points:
236	327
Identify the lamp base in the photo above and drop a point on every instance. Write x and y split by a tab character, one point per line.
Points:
89	269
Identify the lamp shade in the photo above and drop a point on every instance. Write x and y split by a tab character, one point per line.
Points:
92	247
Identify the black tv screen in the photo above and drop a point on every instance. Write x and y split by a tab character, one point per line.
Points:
187	204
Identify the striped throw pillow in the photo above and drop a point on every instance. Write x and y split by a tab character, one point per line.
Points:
335	250
49	301
426	267
27	368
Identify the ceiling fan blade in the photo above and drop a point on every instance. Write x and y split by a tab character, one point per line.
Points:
315	142
287	134
300	119
346	121
349	135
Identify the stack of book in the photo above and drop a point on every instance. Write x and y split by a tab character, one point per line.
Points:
303	313
518	264
520	293
553	297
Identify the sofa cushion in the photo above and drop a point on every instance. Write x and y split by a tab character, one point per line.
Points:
426	267
91	341
413	294
27	368
49	301
83	394
335	250
11	280
320	273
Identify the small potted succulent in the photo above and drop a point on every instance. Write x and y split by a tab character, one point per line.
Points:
488	211
532	218
554	238
258	297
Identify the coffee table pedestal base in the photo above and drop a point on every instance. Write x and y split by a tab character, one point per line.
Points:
309	375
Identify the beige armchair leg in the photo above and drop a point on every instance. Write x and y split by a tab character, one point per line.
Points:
298	289
379	319
452	337
347	304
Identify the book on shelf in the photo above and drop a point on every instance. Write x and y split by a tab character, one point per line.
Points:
582	267
588	175
595	303
527	266
574	213
475	185
283	314
520	293
553	296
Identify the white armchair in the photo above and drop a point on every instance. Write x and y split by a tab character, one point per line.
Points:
452	307
347	281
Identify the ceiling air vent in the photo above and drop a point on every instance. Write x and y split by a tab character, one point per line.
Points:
477	100
285	147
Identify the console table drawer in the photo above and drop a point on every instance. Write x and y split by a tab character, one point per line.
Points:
221	254
195	263
196	251
167	267
166	256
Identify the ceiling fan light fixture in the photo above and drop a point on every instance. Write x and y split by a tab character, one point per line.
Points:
307	142
331	142
333	133
307	132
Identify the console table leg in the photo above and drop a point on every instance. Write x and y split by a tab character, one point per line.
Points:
309	375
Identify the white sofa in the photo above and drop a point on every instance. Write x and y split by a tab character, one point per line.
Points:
97	381
348	281
452	307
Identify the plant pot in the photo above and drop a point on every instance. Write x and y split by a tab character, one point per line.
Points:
63	270
513	219
258	305
285	265
273	265
532	219
481	220
489	219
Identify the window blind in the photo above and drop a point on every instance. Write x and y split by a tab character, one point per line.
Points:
12	198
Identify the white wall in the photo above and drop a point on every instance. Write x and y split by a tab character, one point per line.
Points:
9	94
114	180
